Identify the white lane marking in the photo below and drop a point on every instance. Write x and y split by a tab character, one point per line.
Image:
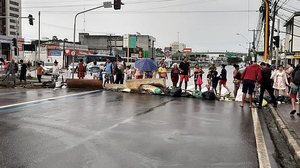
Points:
47	99
263	157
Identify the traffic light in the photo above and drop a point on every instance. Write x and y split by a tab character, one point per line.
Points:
14	42
117	4
30	18
276	41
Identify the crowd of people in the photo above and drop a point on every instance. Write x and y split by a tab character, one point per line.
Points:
284	81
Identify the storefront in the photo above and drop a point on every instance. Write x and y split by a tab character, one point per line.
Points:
5	47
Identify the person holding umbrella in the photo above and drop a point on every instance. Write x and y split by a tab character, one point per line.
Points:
144	65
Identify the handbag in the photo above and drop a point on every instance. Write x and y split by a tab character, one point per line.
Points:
199	81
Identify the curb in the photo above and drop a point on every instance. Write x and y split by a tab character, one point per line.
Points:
286	133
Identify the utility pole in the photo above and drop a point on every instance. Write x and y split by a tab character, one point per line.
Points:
266	46
253	44
105	5
39	44
272	31
277	53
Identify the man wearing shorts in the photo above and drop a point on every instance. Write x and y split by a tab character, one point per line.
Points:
295	89
185	72
251	74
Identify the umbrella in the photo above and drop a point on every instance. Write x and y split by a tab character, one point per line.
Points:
146	64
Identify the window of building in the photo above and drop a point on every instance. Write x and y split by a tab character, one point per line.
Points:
12	33
14	3
14	9
13	15
12	21
12	26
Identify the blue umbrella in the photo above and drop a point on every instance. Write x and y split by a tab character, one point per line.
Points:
146	64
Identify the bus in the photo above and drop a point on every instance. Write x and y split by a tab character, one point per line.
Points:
95	57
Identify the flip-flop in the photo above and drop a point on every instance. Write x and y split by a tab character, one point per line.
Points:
241	106
293	112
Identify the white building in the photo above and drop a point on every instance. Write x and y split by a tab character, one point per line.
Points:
176	46
10	10
292	40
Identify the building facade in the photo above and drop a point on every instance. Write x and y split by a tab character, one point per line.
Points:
10	27
176	46
292	40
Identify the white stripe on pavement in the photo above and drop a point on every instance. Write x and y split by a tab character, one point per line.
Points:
47	99
263	157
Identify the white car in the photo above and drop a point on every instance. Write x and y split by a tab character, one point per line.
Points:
48	68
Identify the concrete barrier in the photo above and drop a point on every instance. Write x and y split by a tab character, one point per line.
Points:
84	83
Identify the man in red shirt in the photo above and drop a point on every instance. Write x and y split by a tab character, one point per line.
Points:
251	74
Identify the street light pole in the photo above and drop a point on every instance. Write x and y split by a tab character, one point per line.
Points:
105	5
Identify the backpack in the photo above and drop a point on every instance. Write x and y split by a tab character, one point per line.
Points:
296	78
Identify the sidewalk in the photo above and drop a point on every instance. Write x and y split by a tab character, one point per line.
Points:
289	127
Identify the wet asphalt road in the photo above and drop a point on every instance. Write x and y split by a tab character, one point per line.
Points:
117	130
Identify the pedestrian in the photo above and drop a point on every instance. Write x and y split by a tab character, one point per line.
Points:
223	80
266	84
295	89
81	69
11	69
23	71
236	79
214	78
175	74
39	72
162	71
251	74
138	74
280	81
198	72
95	70
185	72
108	72
119	71
288	72
128	72
55	71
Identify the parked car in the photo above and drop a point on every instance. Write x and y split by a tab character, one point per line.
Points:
48	68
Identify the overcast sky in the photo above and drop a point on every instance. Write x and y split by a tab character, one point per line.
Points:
201	24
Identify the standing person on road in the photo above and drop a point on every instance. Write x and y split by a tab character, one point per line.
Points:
119	71
223	80
185	72
128	72
55	70
236	79
108	72
288	72
280	81
175	74
162	71
266	84
251	74
198	72
295	89
214	78
81	69
11	69
39	72
23	71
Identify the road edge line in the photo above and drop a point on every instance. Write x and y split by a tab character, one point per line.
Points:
262	152
46	99
287	135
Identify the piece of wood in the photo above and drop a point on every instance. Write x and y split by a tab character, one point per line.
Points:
84	83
